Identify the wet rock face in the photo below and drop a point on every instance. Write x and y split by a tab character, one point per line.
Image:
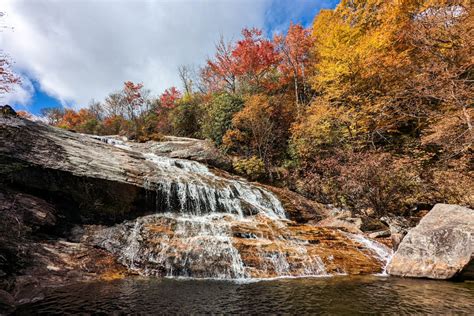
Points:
228	246
33	257
108	183
440	247
188	148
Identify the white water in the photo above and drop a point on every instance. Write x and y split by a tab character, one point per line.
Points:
191	188
111	140
189	246
192	233
379	250
184	246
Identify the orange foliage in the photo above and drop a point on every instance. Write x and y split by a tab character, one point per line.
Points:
24	114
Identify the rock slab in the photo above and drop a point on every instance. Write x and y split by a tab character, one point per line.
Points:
440	247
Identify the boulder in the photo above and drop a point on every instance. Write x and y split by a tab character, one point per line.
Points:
440	247
7	110
32	258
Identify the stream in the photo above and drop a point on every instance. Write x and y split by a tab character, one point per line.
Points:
323	295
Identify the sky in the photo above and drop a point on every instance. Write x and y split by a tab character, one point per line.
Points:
68	52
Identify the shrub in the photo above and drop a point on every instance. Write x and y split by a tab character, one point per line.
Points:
374	182
253	167
217	117
186	118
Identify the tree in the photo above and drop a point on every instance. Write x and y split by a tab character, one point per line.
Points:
169	98
217	115
96	109
260	129
133	97
186	74
442	45
186	117
8	79
135	100
114	105
253	57
294	49
52	115
220	72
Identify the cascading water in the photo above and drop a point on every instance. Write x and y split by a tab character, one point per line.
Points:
211	226
379	250
191	188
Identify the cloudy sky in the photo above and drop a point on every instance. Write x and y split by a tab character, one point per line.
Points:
70	51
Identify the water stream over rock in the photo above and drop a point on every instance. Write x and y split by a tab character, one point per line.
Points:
212	226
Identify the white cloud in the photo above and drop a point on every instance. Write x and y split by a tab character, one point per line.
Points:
20	94
83	49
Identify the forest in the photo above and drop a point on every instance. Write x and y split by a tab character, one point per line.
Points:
370	109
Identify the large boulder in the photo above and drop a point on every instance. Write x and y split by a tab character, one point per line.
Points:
440	247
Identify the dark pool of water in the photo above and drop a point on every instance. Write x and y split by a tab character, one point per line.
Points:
335	295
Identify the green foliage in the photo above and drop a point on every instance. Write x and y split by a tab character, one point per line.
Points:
218	113
186	117
253	167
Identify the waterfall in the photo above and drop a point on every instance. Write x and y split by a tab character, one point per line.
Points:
191	188
208	225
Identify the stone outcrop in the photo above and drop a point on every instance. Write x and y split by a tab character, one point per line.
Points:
33	258
440	247
188	148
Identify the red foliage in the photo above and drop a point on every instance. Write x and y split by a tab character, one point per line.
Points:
72	119
7	78
221	72
133	94
248	60
169	97
294	49
254	55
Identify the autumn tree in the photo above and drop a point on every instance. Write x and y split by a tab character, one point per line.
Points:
294	49
442	45
169	97
24	114
260	129
254	58
135	100
8	79
220	72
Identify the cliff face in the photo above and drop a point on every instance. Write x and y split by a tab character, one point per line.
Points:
149	209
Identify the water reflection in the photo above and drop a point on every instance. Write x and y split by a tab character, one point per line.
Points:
335	295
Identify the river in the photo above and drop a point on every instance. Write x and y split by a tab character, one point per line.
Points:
325	295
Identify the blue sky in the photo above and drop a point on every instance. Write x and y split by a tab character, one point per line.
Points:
70	53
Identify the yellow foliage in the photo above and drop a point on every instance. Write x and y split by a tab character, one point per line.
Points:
253	167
